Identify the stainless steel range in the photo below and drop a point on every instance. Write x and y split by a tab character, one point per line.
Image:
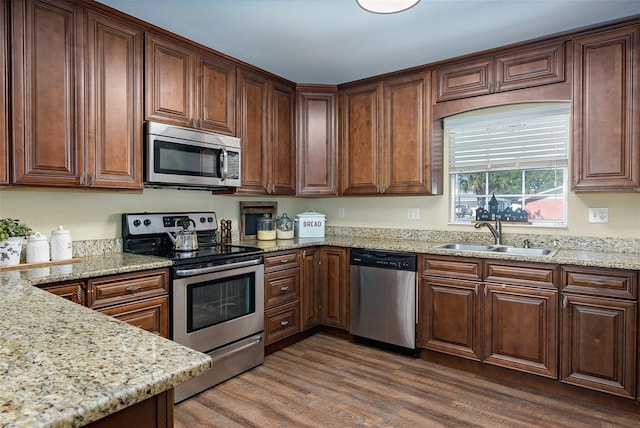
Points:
217	291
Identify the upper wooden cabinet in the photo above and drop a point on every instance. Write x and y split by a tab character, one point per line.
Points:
385	138
189	87
517	69
4	96
606	95
266	116
75	102
316	107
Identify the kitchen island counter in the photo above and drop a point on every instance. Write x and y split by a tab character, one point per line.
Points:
65	365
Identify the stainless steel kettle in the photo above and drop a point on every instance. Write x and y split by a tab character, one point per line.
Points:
185	240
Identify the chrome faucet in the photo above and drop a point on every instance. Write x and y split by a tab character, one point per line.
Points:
495	231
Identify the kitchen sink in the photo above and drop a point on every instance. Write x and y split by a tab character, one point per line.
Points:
466	247
505	249
520	251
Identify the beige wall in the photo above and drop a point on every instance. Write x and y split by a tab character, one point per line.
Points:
91	214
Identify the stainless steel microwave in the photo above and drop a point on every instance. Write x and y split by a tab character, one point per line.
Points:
190	158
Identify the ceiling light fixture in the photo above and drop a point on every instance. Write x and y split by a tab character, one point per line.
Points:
386	6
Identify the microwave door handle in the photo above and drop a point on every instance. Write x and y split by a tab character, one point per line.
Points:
224	157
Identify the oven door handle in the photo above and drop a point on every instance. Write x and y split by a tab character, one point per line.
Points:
236	350
199	271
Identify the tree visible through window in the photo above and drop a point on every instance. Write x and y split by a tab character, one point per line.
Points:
518	155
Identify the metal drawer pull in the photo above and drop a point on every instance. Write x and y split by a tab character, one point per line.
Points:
284	261
284	288
283	323
565	301
133	288
598	283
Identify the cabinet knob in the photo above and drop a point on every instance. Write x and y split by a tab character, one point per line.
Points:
284	288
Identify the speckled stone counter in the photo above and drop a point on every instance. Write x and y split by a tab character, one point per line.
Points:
65	365
608	259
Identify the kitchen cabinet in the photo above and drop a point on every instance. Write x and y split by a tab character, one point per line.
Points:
266	115
606	99
317	140
385	138
504	71
75	100
189	87
448	295
598	329
309	288
334	283
501	313
281	295
138	298
4	95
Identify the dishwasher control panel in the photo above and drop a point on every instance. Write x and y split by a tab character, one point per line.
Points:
384	259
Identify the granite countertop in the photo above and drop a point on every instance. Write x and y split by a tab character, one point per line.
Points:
604	259
65	365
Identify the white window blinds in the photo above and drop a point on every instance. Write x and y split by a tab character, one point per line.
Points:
527	137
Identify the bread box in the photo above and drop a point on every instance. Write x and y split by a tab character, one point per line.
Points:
310	224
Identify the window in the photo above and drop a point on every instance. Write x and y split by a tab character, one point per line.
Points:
517	154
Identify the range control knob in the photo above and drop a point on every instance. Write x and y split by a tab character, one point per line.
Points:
202	219
147	222
210	219
136	223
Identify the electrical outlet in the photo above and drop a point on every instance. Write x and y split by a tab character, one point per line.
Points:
413	214
340	212
598	215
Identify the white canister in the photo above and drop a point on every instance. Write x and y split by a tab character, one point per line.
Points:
61	244
37	248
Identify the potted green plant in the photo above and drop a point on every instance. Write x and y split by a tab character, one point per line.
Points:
12	235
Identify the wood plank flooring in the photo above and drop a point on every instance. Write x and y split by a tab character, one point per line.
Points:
324	381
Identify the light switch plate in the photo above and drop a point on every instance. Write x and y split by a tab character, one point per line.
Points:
598	215
340	212
413	214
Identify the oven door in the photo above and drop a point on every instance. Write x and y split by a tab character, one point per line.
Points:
214	309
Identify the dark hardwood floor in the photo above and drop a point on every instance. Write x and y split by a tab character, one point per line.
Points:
324	381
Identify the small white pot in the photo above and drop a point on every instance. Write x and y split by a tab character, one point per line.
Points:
10	250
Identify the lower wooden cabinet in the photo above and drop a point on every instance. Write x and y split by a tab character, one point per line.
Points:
598	332
334	280
282	321
281	295
138	298
501	313
309	288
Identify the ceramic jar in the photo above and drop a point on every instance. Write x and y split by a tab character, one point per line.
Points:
61	248
37	248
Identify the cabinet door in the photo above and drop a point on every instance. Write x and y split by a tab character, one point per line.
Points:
114	103
599	344
406	163
606	140
169	81
216	94
282	173
525	68
449	316
253	130
317	140
47	92
309	288
335	287
4	95
520	328
462	80
359	144
150	314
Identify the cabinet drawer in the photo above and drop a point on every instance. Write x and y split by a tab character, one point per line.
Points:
74	291
151	314
281	322
281	287
525	274
452	267
116	289
280	261
600	282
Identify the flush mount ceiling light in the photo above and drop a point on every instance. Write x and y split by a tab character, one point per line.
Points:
386	6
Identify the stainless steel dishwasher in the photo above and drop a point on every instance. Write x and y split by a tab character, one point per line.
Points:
383	297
